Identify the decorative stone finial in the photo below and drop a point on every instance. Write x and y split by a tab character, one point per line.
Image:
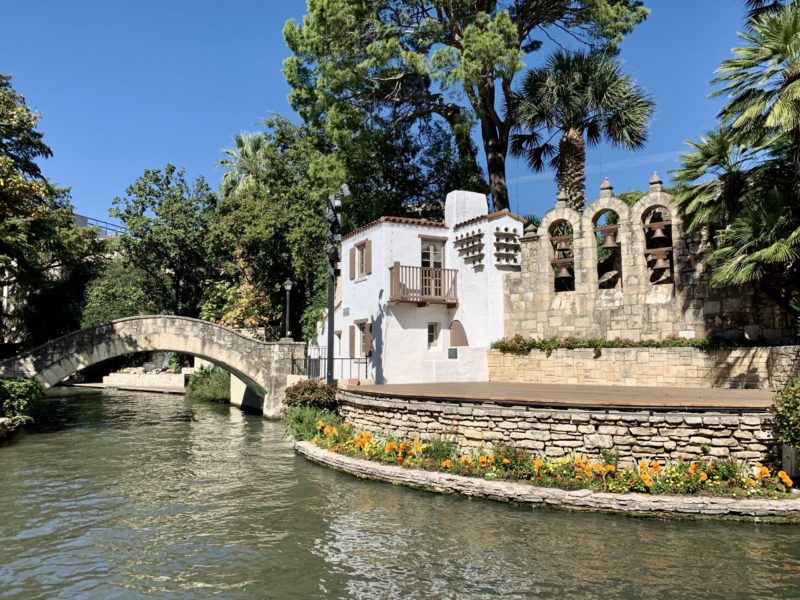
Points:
561	199
656	183
606	189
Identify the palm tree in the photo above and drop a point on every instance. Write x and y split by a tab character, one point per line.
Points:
243	163
585	98
763	82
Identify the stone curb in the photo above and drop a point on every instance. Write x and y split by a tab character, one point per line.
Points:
641	505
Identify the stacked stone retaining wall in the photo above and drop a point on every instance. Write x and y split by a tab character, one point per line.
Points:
556	432
758	367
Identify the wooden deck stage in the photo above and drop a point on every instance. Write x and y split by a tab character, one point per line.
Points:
579	396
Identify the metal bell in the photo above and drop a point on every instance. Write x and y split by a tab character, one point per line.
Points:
659	233
610	239
661	262
564	273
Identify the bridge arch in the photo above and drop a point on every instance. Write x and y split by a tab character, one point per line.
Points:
263	366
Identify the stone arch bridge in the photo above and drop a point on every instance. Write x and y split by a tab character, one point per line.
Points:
262	366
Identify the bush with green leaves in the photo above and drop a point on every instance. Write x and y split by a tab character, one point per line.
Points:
302	420
209	384
16	395
787	413
311	392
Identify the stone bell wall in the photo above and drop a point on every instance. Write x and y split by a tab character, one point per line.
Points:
634	435
643	303
755	368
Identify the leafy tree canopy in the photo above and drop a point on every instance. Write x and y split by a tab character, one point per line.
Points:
167	222
408	61
44	258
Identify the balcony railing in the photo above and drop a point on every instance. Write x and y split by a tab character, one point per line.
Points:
423	285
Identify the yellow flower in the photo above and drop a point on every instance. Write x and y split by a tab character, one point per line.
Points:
320	425
464	460
313	441
751	482
506	461
785	479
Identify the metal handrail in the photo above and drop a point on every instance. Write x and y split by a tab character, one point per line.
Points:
343	367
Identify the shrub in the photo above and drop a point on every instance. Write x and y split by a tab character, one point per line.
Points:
302	421
522	345
787	413
440	449
311	392
16	395
211	385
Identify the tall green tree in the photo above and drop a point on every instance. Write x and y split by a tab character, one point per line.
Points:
167	221
581	98
408	61
44	258
741	182
270	226
120	290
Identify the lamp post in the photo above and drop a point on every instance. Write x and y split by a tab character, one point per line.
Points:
287	285
334	219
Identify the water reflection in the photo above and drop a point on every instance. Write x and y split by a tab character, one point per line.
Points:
137	495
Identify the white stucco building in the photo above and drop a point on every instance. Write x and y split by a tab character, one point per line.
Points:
422	300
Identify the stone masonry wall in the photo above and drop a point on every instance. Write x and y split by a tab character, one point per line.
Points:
558	432
762	368
636	300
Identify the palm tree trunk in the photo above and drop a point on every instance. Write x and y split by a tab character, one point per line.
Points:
571	176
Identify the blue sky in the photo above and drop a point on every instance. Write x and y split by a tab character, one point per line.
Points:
125	86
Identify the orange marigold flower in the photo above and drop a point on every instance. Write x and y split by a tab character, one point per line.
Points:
538	464
482	460
391	447
610	468
447	464
506	461
703	476
785	479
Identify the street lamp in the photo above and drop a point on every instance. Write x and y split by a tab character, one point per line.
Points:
287	285
333	217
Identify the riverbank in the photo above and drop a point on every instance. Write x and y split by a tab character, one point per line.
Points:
634	504
9	426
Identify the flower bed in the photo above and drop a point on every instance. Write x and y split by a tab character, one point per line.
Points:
706	477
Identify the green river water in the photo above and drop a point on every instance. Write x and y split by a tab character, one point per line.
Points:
130	495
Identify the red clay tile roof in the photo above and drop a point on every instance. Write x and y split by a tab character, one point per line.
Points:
400	220
490	217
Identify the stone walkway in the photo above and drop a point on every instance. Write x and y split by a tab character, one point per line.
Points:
553	395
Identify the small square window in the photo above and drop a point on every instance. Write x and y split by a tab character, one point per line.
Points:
433	335
452	353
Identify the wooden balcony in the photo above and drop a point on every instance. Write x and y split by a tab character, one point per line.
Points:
423	285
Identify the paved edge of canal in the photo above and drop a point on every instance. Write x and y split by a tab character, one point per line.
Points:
638	505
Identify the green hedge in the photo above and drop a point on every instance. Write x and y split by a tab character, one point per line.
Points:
16	395
787	413
311	392
522	345
209	384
